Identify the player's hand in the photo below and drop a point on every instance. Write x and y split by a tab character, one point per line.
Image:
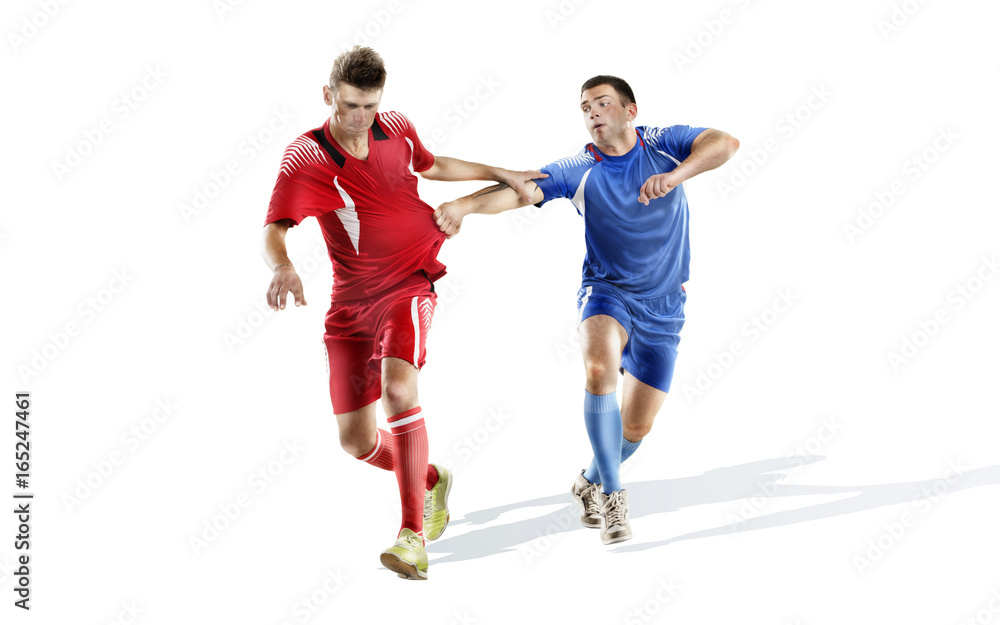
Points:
449	216
285	281
657	186
518	181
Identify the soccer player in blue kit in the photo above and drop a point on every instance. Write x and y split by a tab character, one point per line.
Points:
627	186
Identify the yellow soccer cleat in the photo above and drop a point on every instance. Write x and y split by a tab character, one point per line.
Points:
436	515
407	558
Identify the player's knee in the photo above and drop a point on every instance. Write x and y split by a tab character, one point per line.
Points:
356	442
636	433
398	396
600	375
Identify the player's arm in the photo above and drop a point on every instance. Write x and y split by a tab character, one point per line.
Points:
452	169
488	201
285	279
709	149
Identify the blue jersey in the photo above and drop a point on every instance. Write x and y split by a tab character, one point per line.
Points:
641	249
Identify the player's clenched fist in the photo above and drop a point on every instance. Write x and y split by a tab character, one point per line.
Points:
449	216
285	281
658	186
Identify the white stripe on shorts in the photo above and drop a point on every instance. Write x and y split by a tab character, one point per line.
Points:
583	302
326	352
415	316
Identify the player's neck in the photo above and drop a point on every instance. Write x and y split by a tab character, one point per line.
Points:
356	145
620	145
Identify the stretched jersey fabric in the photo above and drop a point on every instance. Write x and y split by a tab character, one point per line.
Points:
641	249
377	229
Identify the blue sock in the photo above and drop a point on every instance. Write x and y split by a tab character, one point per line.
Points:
603	419
628	448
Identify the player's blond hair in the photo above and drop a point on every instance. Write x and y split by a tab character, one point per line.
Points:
360	67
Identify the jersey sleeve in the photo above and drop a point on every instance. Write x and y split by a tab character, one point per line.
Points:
300	191
564	176
675	140
422	157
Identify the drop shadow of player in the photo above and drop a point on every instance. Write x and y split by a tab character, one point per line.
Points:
752	481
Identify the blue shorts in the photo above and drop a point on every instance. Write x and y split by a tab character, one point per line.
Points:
653	327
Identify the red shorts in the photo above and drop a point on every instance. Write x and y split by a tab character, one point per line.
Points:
360	333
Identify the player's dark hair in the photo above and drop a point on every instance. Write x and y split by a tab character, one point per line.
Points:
620	86
360	67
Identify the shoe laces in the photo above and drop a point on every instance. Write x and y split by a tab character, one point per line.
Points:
614	509
430	503
589	495
413	541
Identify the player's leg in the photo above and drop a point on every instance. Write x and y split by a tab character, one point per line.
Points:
359	435
401	351
354	389
352	342
604	323
648	362
601	347
355	386
409	436
602	339
640	405
399	398
407	557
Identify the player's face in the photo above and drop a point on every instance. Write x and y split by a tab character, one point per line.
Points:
606	119
353	109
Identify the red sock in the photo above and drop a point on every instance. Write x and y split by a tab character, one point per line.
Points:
409	442
381	456
432	477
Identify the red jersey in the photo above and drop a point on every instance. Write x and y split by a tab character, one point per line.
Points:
377	229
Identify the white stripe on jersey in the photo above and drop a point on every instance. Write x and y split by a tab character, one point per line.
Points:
584	157
652	137
392	122
389	128
668	156
412	154
578	199
400	121
349	216
301	152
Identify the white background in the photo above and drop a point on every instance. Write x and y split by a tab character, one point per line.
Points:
841	461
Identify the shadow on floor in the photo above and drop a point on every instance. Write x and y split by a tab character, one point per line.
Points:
738	483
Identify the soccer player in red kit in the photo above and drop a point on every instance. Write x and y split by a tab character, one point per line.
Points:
356	175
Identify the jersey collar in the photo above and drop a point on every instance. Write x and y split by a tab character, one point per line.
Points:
325	140
600	156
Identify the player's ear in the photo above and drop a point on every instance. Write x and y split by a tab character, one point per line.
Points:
328	95
633	110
